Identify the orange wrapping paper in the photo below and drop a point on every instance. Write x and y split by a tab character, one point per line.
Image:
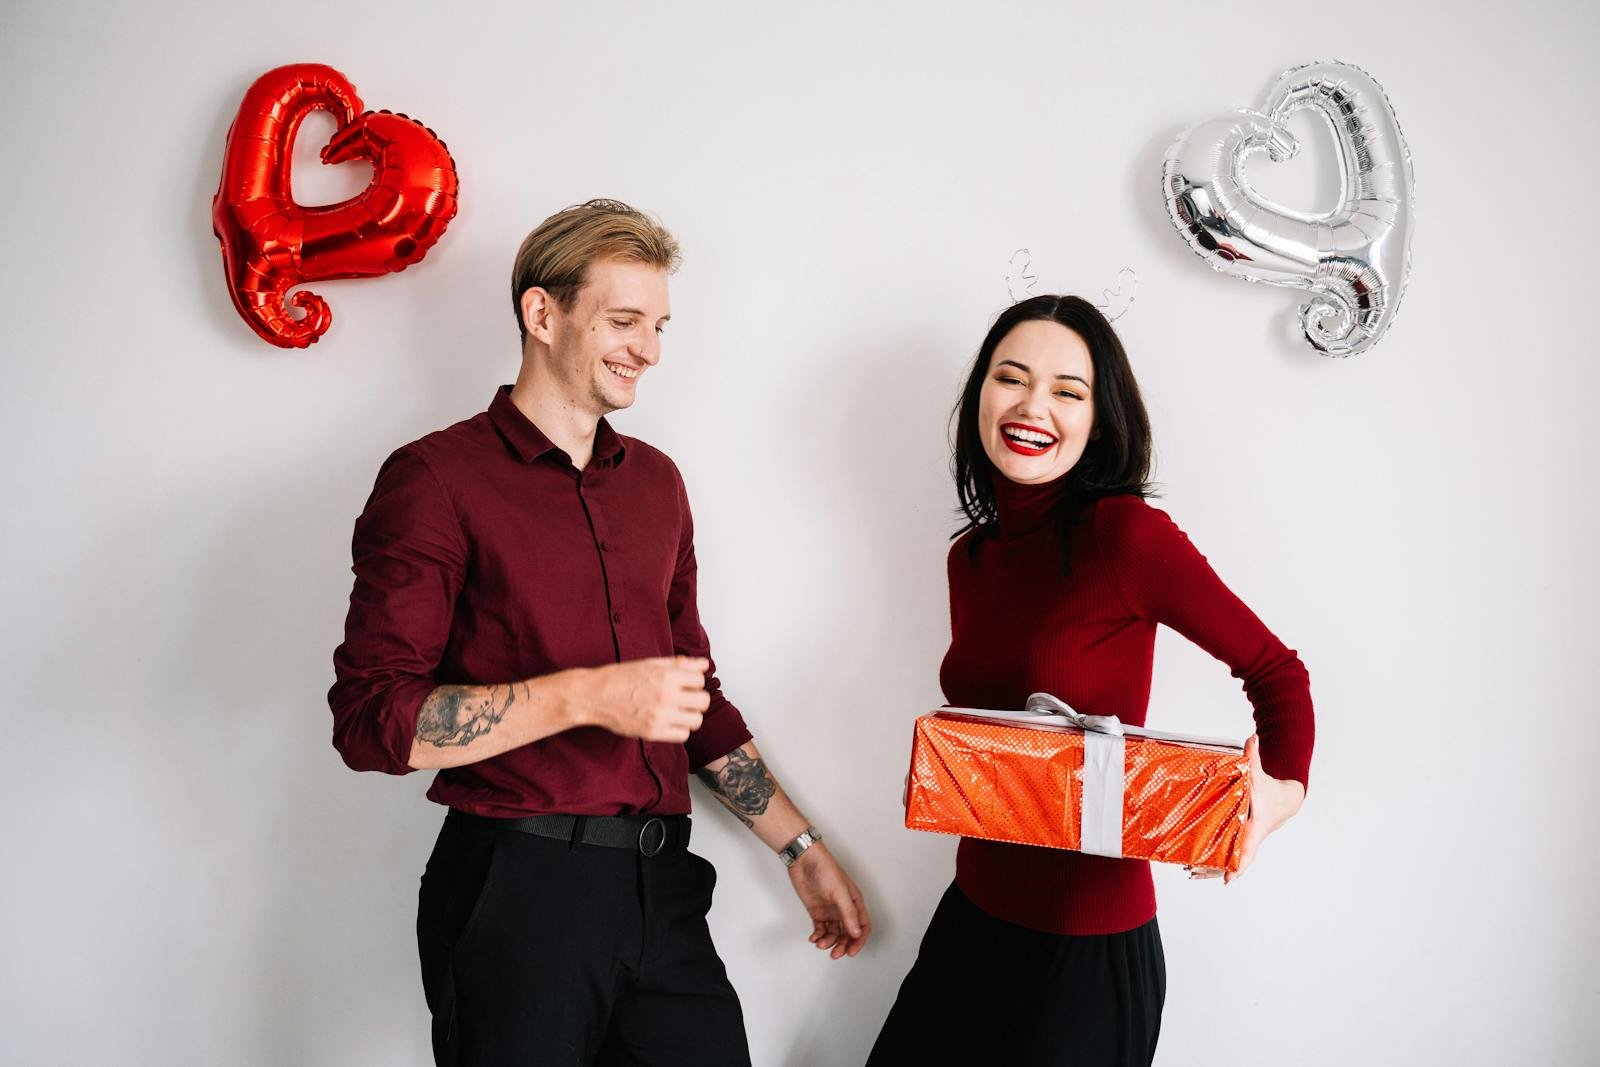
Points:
1007	781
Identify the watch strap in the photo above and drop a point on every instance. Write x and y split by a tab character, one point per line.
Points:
793	850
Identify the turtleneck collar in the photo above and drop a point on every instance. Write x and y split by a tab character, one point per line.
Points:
1022	509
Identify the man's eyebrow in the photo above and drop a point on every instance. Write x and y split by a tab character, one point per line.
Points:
1026	370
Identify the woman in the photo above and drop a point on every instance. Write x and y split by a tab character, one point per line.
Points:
1039	955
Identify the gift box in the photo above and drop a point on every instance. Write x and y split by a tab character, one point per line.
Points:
1048	775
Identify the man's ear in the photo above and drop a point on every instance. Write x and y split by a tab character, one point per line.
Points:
538	310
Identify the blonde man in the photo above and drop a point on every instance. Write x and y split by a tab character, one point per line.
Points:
524	621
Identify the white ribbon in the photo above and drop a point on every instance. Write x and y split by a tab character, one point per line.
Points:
1104	769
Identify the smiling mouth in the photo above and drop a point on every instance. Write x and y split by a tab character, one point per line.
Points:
627	374
1027	440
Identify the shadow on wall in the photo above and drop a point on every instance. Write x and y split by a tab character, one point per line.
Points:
302	854
304	873
323	863
882	642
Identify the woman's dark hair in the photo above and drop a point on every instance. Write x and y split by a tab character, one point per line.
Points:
1117	456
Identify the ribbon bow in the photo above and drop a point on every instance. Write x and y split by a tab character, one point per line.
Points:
1045	704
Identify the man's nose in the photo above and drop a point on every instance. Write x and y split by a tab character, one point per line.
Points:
648	349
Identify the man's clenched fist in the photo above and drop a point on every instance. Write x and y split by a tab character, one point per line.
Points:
661	699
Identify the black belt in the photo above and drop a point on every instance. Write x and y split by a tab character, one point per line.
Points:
649	835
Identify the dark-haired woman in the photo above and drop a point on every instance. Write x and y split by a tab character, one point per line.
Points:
1037	955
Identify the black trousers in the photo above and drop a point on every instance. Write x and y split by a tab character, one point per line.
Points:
539	951
987	991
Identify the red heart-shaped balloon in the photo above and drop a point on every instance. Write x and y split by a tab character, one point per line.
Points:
270	244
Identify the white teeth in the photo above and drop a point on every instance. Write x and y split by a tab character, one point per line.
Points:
621	371
1030	438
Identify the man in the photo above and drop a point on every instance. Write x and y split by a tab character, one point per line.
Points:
524	620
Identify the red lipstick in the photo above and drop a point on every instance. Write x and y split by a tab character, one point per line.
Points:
1022	448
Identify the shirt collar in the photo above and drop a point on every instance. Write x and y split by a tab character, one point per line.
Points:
530	443
608	445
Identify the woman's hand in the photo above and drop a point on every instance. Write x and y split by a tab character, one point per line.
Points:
1273	802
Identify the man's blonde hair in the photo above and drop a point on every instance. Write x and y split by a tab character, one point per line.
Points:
556	256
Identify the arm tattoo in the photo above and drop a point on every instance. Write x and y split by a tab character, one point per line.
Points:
453	716
743	785
710	779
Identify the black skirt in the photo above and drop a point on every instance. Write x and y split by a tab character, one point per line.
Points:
984	990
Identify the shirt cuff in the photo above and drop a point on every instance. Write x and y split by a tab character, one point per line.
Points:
722	731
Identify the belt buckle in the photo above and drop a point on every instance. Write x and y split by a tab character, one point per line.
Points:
652	837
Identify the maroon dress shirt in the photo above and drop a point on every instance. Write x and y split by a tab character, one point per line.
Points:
483	556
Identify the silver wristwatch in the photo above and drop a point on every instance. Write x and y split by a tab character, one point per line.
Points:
791	852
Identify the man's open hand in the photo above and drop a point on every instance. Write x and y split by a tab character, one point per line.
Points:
839	919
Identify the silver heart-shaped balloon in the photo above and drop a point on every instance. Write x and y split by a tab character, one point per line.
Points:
1353	259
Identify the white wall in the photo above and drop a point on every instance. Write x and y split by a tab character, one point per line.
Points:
191	876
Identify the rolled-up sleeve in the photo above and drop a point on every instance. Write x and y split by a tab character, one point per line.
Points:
409	557
723	728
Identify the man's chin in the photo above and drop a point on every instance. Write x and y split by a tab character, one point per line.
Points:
607	401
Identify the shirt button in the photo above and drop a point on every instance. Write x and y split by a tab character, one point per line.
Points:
605	546
616	616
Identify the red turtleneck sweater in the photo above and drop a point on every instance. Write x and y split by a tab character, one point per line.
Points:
1019	625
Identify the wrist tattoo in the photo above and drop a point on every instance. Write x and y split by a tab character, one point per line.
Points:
452	716
743	785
